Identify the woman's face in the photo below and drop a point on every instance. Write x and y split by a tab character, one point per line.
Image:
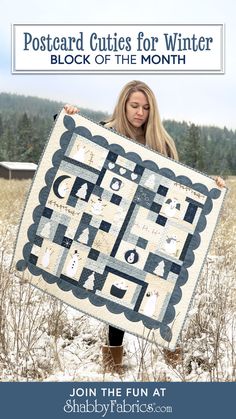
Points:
137	109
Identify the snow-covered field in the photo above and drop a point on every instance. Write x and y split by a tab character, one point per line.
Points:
42	339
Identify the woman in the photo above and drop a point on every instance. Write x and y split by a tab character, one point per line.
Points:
136	116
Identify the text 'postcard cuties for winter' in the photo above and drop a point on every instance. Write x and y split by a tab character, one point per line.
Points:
116	230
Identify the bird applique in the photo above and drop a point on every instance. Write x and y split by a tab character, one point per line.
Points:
170	245
172	206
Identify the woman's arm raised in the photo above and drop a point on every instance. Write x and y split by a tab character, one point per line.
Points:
71	109
220	182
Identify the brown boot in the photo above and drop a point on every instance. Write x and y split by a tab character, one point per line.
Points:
112	358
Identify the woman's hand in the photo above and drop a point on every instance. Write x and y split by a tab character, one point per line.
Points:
220	182
70	109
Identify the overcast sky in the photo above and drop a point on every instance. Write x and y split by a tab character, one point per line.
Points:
202	99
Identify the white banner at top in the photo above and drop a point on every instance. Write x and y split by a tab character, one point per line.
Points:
117	49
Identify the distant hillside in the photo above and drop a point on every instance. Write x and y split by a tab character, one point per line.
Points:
22	138
34	106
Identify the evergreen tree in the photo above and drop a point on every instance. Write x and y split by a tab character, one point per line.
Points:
193	148
1	126
24	138
9	151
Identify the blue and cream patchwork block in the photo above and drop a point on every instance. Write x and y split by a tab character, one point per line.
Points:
117	230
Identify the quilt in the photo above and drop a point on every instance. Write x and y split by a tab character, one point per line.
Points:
116	230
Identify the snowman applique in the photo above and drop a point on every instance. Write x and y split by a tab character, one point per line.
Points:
116	184
97	206
73	264
131	256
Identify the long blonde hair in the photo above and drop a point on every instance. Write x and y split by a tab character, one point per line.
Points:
156	137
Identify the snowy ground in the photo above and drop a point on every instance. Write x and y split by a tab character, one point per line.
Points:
42	339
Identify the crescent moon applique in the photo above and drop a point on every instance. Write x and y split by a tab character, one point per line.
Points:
61	187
